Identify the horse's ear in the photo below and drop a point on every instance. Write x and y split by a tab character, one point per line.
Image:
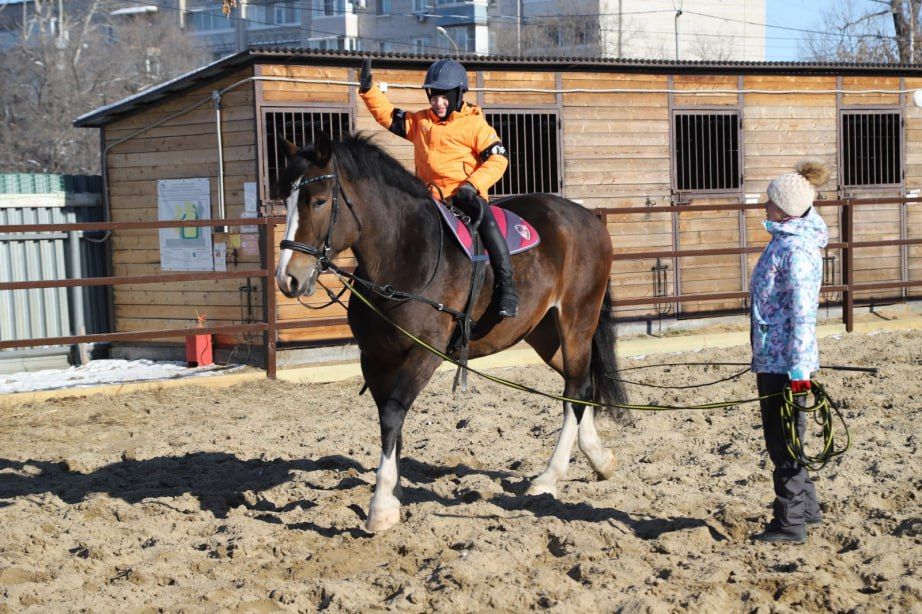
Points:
323	148
288	147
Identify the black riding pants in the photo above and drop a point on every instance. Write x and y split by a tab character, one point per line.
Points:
795	496
491	236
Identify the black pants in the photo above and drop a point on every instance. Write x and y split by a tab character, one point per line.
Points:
492	238
795	495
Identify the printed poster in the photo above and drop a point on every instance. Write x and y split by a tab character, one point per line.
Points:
249	204
185	249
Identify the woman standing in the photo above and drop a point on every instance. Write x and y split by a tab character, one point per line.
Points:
785	295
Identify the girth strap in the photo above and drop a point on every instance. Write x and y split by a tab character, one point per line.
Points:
461	338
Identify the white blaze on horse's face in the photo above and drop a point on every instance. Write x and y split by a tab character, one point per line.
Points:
301	280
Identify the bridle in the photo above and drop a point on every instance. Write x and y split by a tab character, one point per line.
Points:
325	262
322	254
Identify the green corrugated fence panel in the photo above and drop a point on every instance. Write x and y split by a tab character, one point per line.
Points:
41	183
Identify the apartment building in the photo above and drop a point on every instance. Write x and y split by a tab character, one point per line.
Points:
651	29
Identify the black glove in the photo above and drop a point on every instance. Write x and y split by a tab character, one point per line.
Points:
465	196
365	79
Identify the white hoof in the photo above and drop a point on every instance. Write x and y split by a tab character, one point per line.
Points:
541	486
607	468
383	519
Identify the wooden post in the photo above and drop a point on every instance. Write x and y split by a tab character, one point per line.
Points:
848	266
269	314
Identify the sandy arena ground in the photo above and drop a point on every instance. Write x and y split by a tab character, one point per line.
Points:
252	499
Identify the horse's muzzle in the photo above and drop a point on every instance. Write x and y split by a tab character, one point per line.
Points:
293	284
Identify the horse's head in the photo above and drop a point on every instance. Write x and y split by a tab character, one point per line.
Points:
316	228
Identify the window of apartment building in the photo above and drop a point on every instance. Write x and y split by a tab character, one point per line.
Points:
285	13
299	126
257	16
533	148
706	154
871	149
553	35
333	43
465	37
384	7
207	20
335	7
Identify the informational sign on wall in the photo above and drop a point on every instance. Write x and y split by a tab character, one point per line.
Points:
249	204
188	248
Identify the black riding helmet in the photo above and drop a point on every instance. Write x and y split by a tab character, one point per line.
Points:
448	78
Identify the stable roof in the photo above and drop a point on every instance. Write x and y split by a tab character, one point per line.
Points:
316	57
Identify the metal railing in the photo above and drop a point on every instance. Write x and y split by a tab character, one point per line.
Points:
270	326
848	245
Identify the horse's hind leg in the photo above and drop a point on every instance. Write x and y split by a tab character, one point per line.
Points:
572	360
546	482
601	459
394	389
577	420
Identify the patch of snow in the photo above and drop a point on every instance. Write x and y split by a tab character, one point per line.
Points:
109	371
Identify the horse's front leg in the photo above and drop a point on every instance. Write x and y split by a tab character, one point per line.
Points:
394	390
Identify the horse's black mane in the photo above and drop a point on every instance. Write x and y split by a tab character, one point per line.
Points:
360	158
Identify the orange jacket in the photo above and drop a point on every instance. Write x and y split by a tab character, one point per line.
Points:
462	148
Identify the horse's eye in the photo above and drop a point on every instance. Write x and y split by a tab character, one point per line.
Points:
320	202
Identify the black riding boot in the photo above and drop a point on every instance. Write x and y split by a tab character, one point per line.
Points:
503	285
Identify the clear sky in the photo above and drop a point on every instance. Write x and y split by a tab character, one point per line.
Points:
781	45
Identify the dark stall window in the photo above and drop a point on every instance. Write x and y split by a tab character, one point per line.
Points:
871	148
532	144
301	128
707	151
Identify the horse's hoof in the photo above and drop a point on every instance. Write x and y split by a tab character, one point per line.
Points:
540	487
608	468
382	520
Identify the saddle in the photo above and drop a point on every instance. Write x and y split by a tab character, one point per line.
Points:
519	234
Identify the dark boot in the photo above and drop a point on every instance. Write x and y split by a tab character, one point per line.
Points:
503	284
774	532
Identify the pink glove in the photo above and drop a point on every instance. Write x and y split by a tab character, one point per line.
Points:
800	385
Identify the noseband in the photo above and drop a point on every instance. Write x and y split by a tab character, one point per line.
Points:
322	254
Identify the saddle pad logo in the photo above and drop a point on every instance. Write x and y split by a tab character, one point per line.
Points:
523	231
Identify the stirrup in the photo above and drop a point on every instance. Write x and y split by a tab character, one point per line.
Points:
508	308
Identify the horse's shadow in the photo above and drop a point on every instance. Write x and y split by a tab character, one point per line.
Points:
514	499
220	482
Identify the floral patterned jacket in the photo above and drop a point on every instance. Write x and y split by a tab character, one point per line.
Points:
784	292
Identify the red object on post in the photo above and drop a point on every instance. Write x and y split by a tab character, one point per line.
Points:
198	348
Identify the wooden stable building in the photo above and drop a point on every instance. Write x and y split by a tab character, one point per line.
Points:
652	136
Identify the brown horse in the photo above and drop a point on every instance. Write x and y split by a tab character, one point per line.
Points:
353	195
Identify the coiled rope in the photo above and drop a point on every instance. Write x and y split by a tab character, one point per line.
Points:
822	411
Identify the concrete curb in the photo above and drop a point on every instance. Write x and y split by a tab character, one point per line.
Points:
520	355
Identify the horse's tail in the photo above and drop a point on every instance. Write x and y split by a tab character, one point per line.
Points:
606	384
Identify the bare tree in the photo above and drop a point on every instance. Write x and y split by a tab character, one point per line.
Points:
569	35
887	33
71	62
713	48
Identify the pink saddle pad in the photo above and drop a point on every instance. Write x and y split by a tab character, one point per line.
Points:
519	234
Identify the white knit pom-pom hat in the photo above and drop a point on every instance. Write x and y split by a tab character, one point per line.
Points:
795	192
